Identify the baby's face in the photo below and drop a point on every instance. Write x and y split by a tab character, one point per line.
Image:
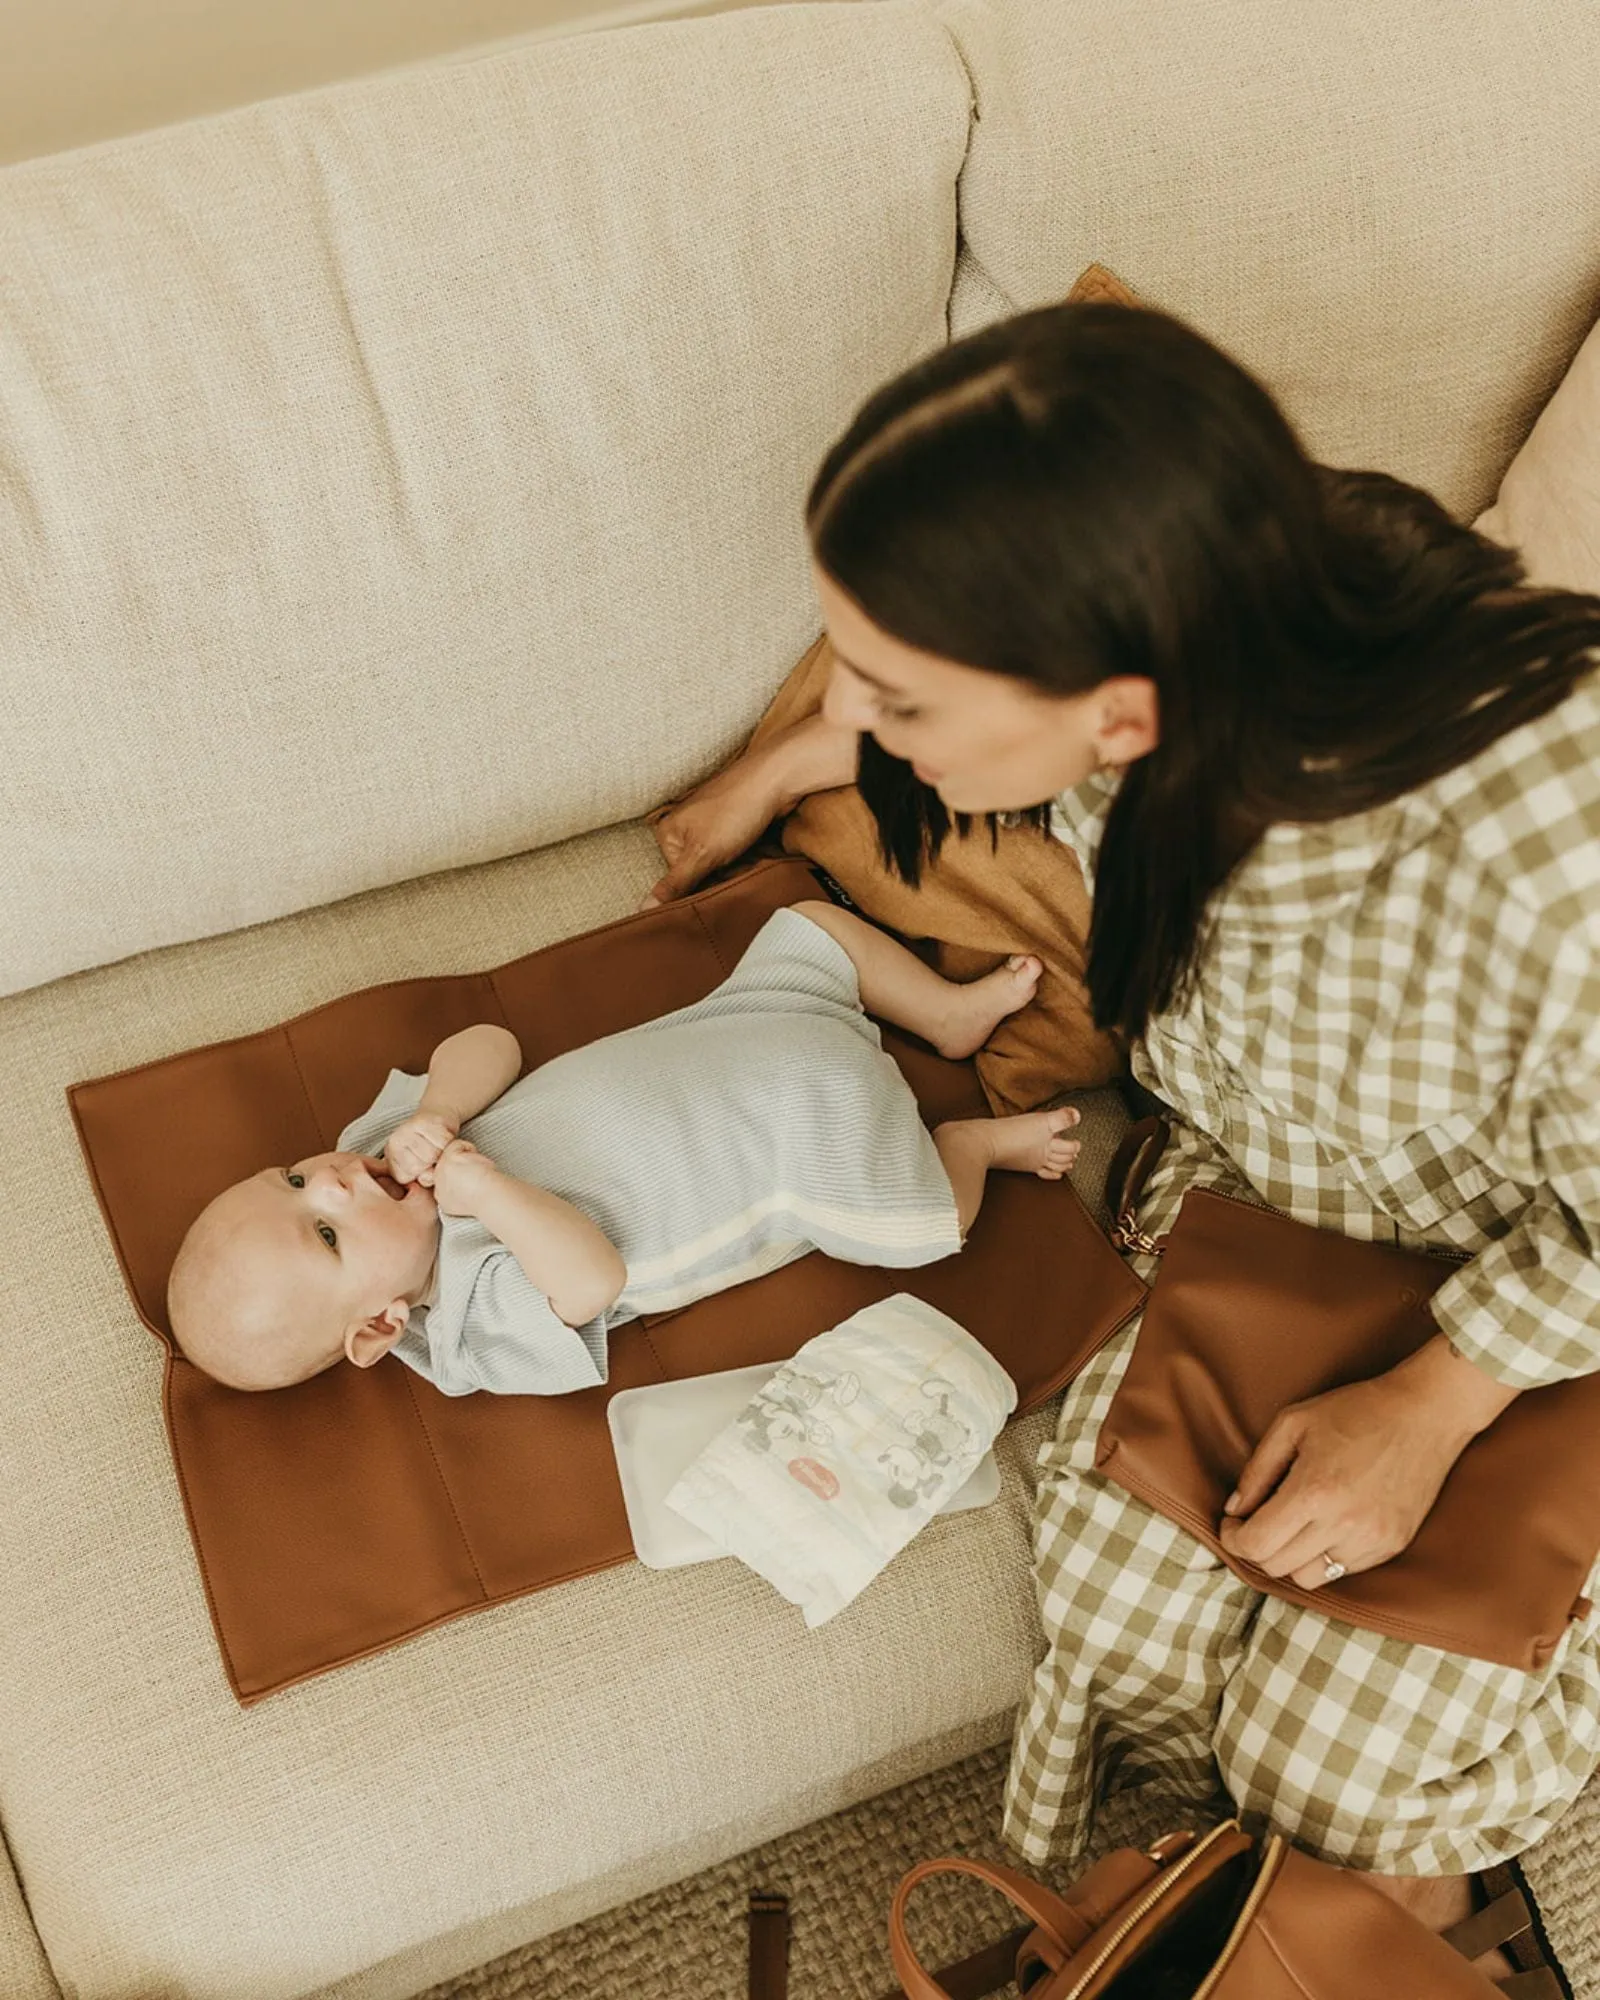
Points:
336	1233
345	1226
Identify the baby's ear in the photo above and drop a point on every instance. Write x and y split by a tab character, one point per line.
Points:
370	1340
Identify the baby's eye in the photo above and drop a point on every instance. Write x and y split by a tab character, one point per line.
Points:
295	1180
327	1235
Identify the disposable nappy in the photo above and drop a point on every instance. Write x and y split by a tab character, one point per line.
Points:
847	1450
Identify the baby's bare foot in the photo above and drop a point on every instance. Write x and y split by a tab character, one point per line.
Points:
1035	1142
975	1010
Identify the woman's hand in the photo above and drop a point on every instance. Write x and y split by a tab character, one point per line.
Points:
714	824
719	819
1353	1474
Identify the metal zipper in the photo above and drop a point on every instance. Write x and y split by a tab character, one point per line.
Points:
1271	1867
1158	1890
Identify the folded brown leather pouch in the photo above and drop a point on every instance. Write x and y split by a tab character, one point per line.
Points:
337	1517
1253	1311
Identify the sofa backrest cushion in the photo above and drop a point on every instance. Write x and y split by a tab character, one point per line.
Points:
411	472
1388	213
1548	506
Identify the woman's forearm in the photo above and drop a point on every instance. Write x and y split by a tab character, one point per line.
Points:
813	755
1454	1391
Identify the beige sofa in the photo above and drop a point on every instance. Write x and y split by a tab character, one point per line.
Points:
401	491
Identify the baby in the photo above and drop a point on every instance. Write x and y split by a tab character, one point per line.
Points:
634	1175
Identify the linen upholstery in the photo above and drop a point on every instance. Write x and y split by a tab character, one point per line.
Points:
975	299
1548	506
24	1971
171	1843
475	1945
411	472
1387	212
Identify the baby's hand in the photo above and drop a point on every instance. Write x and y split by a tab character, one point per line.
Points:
413	1146
459	1177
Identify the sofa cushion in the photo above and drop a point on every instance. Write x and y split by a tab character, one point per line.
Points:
411	472
1548	506
1386	212
544	1756
24	1970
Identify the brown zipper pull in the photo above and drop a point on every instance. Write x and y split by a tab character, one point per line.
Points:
1127	1235
1142	1145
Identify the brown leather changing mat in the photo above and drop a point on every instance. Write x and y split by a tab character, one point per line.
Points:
340	1516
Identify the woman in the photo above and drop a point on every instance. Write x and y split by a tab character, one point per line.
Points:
1334	775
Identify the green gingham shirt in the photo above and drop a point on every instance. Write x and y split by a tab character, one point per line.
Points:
1395	1032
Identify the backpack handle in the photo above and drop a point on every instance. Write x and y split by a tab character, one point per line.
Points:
1062	1926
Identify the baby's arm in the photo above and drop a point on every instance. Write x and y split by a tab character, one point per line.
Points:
566	1255
467	1072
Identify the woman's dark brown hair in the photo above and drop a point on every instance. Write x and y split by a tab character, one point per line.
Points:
1093	490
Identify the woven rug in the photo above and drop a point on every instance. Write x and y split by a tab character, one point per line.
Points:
688	1942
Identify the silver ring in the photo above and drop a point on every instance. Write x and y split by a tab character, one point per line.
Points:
1332	1568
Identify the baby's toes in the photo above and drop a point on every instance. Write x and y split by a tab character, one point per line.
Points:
1060	1157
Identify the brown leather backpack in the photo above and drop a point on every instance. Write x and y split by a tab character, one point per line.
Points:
1219	1916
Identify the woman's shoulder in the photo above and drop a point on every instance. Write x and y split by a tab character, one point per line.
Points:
1527	811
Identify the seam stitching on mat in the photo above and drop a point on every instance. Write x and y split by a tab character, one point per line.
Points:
710	937
491	980
432	1623
450	1498
644	1332
300	1078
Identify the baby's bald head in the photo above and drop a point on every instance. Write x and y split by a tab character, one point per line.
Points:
234	1307
285	1273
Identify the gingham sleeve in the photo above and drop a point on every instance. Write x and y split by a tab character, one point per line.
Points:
1527	1308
